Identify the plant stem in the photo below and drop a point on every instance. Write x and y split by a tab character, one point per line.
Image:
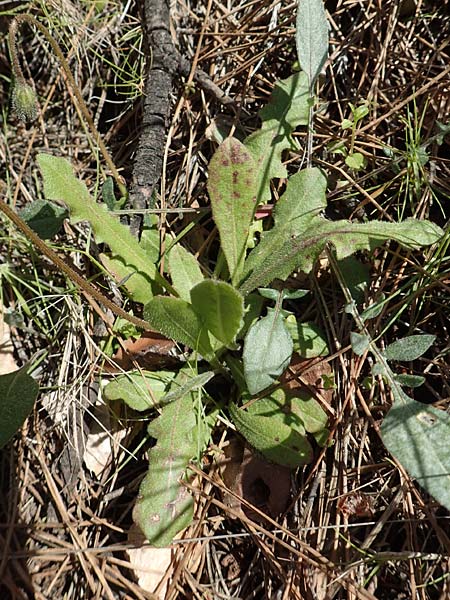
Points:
18	73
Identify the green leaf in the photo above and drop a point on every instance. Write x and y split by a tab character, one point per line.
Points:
407	380
360	342
253	307
278	435
232	190
191	383
150	238
267	352
417	435
356	276
300	233
140	391
309	340
176	319
272	294
355	161
45	218
136	283
184	270
375	309
302	201
409	348
164	506
312	37
18	392
61	184
288	108
108	196
220	307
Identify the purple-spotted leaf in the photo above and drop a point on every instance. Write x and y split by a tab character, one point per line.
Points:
232	190
165	506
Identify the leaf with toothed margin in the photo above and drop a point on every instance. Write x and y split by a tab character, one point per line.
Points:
165	506
301	233
232	190
129	258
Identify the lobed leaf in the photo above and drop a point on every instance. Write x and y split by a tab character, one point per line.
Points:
300	233
61	184
164	506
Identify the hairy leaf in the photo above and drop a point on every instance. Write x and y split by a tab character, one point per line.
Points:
18	392
275	428
176	319
61	184
360	342
45	218
267	352
164	506
232	190
300	233
409	348
312	37
220	307
417	435
287	109
141	390
137	284
184	270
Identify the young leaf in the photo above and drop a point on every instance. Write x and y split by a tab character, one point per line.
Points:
360	342
287	109
267	352
303	200
232	190
176	319
139	391
407	380
417	435
184	270
312	37
61	184
409	348
164	506
272	436
18	392
221	308
191	383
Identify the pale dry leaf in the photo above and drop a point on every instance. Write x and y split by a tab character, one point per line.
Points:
150	565
7	362
102	440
